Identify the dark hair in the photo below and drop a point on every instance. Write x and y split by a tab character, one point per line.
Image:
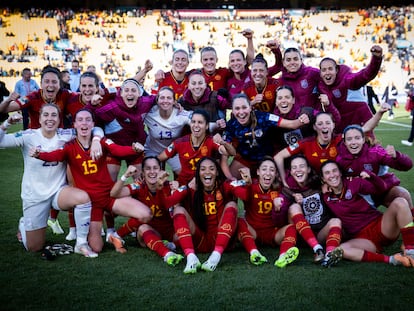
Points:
49	69
90	74
87	110
198	200
208	49
260	59
203	113
292	49
147	158
329	59
329	162
238	51
286	87
196	72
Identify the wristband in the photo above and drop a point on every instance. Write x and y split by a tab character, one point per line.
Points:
123	178
6	124
96	138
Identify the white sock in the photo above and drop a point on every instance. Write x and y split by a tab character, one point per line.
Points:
23	232
82	213
317	247
215	257
254	251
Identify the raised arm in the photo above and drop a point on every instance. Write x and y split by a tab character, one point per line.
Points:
10	103
280	163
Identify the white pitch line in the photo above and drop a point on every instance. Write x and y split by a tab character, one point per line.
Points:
396	124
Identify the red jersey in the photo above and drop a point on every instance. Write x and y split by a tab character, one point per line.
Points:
89	175
258	205
269	94
34	101
214	203
161	220
178	86
218	79
189	156
314	152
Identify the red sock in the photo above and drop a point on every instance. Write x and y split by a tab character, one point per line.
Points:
407	235
182	229
375	257
154	242
289	240
130	226
334	238
110	220
54	213
244	235
71	218
305	230
226	228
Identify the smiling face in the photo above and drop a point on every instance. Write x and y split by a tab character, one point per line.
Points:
198	125
197	85
49	119
329	71
299	170
284	100
324	127
208	174
331	175
354	141
209	61
87	88
180	62
259	73
83	124
237	63
50	86
241	110
130	93
150	171
165	100
292	61
266	173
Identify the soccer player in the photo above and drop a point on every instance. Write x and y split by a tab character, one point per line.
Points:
177	77
199	96
288	108
44	183
303	204
147	191
357	154
165	123
337	81
123	120
249	131
50	92
259	199
261	89
192	147
93	176
366	229
208	221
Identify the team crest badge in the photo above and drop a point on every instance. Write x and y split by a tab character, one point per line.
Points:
336	93
304	84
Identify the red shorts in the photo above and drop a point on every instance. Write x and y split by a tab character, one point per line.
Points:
266	236
373	233
100	205
132	160
165	229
